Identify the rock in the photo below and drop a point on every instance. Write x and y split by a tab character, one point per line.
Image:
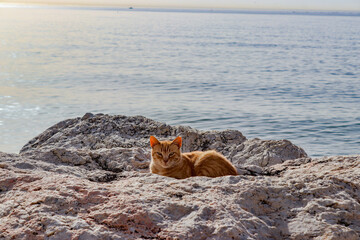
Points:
120	143
266	152
305	199
88	178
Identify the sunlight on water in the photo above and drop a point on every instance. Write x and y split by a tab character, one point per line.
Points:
269	76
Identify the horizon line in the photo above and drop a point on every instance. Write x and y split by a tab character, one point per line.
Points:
138	6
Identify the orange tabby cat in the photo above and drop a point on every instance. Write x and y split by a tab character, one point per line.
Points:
167	160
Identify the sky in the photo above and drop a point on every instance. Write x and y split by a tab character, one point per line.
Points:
352	5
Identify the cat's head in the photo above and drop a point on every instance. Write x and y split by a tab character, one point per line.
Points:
166	153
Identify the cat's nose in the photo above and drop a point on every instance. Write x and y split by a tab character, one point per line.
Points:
166	159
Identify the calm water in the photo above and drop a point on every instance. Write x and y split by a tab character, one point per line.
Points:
270	76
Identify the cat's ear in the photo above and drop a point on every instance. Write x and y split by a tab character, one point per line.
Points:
153	141
177	141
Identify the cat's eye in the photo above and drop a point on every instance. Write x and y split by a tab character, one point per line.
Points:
159	154
171	154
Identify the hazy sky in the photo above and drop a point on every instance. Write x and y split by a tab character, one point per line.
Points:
258	4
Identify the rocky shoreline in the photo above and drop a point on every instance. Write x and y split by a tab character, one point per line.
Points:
88	178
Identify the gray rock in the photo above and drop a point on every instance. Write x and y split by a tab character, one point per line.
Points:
88	178
120	143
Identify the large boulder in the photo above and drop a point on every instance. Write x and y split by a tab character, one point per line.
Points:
121	143
88	178
298	199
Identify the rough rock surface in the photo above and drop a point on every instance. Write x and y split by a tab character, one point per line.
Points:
121	143
87	178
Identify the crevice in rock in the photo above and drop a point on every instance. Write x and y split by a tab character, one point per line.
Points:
274	172
107	177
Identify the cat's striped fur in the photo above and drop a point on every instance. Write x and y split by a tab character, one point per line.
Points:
167	160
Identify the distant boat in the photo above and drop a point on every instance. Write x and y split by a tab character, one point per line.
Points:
131	8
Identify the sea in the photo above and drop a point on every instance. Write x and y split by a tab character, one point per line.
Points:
269	74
